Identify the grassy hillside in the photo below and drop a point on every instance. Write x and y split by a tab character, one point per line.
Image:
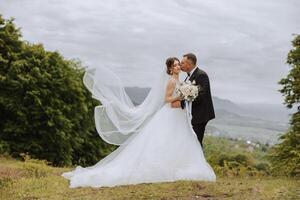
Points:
34	179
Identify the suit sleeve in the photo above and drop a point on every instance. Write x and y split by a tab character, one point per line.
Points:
203	81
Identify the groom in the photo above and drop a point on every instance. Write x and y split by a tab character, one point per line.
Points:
202	108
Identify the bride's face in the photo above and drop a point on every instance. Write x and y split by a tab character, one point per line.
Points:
176	67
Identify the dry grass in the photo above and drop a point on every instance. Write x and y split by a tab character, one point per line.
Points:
33	179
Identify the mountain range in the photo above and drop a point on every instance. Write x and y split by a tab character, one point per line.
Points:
262	123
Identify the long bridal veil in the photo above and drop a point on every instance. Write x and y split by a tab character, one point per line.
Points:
144	154
117	118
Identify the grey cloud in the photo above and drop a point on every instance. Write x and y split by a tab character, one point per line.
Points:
241	44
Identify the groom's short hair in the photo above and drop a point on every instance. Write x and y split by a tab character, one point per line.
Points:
192	57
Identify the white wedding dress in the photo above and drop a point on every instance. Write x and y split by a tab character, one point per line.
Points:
165	149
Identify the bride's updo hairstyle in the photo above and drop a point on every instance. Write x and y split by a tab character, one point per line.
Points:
170	63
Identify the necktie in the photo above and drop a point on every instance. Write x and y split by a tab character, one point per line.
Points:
188	73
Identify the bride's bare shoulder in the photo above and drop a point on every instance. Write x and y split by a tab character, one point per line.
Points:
171	83
172	80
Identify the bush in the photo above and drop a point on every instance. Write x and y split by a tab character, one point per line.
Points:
45	110
231	158
285	156
4	147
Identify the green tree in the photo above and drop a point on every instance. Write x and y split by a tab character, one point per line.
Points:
45	110
285	156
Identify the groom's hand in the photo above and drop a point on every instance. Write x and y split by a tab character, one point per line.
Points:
176	104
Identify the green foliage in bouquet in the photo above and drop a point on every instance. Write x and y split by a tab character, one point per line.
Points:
45	110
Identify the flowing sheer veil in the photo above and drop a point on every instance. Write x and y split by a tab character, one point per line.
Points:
117	118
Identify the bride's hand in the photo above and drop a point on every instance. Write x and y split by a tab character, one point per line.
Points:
176	104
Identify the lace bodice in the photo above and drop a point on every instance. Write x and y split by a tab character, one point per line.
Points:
176	87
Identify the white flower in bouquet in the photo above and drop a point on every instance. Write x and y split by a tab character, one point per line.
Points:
188	90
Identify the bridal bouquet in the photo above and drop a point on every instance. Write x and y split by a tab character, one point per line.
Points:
188	90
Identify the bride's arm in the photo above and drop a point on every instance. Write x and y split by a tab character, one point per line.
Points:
169	92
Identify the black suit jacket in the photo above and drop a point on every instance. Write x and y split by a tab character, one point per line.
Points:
202	106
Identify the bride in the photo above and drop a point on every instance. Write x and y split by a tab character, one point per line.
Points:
157	142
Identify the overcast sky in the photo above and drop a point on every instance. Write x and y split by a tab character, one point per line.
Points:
241	44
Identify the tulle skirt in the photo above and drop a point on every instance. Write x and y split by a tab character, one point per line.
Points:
165	150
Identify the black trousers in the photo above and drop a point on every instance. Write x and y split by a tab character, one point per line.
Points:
199	129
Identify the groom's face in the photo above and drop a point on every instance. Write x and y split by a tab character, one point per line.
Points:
186	65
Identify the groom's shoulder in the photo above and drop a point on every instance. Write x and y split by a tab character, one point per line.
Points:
201	72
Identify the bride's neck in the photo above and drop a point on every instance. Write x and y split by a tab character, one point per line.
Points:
175	76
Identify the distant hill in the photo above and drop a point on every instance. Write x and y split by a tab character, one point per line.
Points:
256	122
137	94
